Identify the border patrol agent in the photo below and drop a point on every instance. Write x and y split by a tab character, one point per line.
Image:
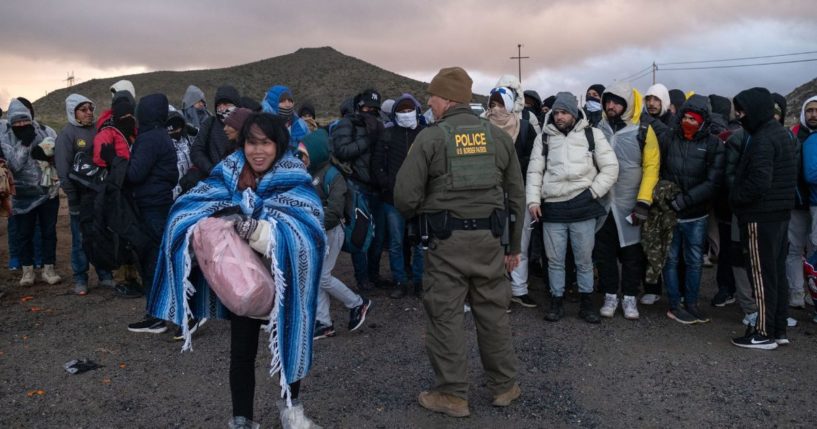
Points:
455	177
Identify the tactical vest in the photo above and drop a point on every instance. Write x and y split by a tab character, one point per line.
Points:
470	157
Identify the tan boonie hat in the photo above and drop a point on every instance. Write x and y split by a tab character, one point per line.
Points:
451	83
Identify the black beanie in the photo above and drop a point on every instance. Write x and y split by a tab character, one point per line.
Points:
28	105
308	108
549	101
250	103
677	98
599	88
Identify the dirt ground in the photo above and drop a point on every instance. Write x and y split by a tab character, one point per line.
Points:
648	373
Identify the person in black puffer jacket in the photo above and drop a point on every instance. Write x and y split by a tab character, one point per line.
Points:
762	198
692	158
406	121
212	144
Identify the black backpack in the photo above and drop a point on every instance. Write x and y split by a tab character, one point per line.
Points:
591	145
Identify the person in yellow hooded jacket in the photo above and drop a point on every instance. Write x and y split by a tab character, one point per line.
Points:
628	202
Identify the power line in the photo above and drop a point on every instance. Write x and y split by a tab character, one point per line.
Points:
630	76
743	58
734	65
641	76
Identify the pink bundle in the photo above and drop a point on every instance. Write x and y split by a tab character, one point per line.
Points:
235	272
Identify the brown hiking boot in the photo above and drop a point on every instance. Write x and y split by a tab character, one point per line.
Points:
444	403
505	399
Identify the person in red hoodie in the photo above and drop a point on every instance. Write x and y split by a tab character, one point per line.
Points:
116	126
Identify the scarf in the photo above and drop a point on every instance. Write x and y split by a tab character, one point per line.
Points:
285	198
500	117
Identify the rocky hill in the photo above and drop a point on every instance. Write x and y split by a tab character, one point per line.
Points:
323	76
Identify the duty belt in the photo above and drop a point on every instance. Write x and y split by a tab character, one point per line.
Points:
469	224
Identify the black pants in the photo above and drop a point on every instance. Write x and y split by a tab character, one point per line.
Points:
608	252
243	350
766	246
725	276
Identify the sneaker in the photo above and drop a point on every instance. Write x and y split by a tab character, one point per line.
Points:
697	313
791	322
358	314
628	304
524	300
650	298
681	316
781	340
753	340
28	276
722	299
610	305
49	275
505	399
294	418
149	324
80	289
323	331
128	290
750	319
192	324
449	405
241	422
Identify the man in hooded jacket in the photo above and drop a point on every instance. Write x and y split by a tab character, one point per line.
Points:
628	202
762	199
77	136
592	106
212	144
194	108
806	132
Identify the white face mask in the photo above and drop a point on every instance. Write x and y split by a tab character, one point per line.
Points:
407	119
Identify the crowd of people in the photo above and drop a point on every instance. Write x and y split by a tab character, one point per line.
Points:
626	195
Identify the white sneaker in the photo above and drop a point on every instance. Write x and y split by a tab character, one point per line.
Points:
750	319
649	298
610	305
792	322
797	299
49	275
28	276
630	308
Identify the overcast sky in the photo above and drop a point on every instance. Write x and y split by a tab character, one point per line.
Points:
571	43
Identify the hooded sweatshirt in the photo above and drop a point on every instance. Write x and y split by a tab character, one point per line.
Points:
660	91
192	115
334	202
152	170
765	178
25	169
73	138
391	151
512	82
212	144
297	127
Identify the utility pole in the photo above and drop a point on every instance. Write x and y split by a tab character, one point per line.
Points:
519	59
654	68
70	80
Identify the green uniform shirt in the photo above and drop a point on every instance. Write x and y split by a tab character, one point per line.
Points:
427	161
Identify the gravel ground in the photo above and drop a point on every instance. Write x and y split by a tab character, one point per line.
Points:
647	373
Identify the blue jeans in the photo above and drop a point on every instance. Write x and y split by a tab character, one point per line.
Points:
44	215
582	237
396	226
367	264
690	237
14	244
79	261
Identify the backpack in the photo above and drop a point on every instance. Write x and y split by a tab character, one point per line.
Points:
358	223
591	145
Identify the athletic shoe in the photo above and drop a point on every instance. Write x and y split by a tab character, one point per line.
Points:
241	422
791	322
650	298
797	299
722	299
610	305
681	316
358	314
49	275
193	325
80	289
323	331
781	340
128	290
750	319
524	300
150	325
628	304
28	276
697	313
753	340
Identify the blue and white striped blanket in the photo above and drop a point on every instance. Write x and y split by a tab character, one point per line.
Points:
285	198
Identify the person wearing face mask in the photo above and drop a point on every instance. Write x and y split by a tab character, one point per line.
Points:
406	121
307	113
116	126
178	129
194	108
279	101
592	105
533	106
212	144
693	159
29	157
354	139
77	136
524	135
